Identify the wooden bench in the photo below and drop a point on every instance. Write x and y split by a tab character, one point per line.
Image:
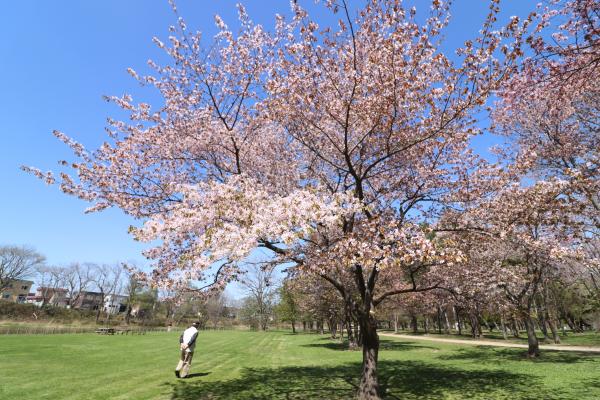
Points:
105	331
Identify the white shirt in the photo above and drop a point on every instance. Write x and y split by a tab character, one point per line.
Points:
188	335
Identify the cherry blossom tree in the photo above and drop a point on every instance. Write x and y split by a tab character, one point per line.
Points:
320	302
523	234
550	109
330	146
591	274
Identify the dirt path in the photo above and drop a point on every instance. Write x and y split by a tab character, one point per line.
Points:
584	349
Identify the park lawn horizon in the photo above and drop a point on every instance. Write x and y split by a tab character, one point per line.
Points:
280	365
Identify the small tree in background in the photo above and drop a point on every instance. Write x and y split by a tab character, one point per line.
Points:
18	263
287	310
260	285
133	288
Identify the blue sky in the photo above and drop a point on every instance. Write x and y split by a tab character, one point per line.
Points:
57	59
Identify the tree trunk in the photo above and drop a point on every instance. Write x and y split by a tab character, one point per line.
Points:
475	326
368	388
357	335
553	329
570	322
263	323
458	326
352	344
515	327
542	321
446	322
127	314
293	326
478	318
503	325
352	336
488	325
534	347
413	323
333	328
395	322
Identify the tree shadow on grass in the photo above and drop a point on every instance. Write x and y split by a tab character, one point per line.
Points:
383	345
329	345
398	380
301	332
595	384
492	355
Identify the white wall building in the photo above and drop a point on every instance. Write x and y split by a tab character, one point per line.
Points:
115	303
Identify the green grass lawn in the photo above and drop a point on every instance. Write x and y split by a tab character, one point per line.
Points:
278	365
571	339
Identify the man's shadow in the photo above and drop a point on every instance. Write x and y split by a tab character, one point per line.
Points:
194	375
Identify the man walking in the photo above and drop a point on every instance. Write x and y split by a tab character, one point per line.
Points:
187	344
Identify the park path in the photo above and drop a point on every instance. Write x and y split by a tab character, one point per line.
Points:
585	349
